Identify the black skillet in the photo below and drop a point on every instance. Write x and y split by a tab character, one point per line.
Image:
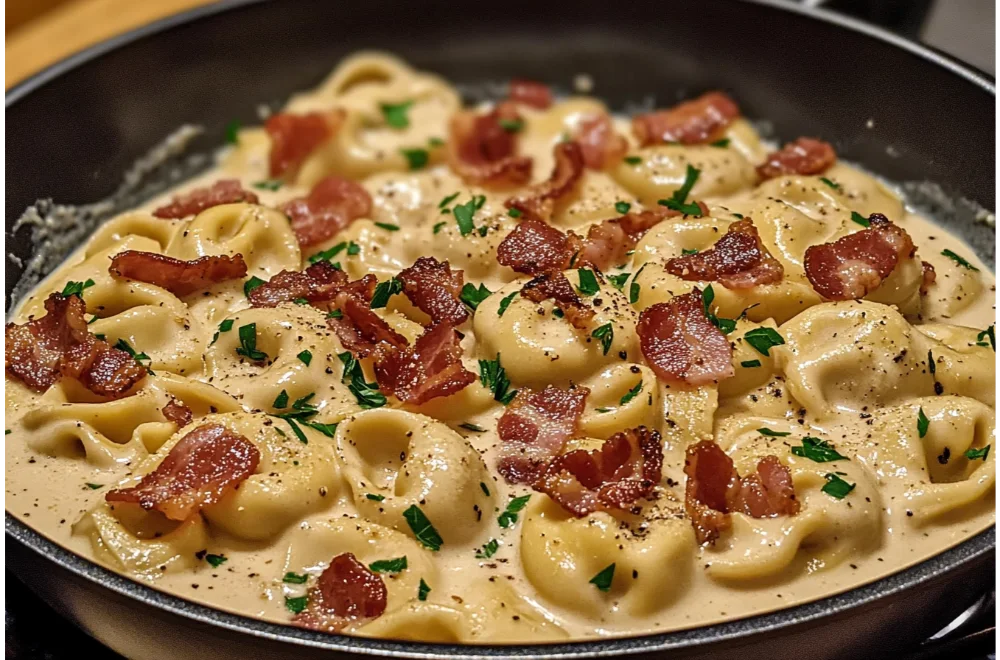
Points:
895	107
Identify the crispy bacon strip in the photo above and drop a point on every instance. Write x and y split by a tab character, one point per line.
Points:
318	283
59	344
804	156
681	345
535	247
626	468
434	288
554	285
714	489
608	243
535	427
929	277
482	151
431	368
295	137
600	144
360	329
179	277
332	204
347	592
178	413
539	201
738	260
855	265
698	121
530	93
225	191
208	463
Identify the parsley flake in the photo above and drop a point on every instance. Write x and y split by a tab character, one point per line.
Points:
505	303
252	284
306	357
605	334
123	345
417	159
632	160
423	590
836	487
860	219
216	560
603	579
633	290
832	184
958	260
622	207
772	434
388	226
472	296
726	326
296	605
990	333
588	282
923	424
384	291
225	326
448	200
511	125
395	114
484	488
439	226
248	343
388	565
514	213
763	339
268	184
89	485
76	288
464	212
494	378
294	578
750	364
618	281
509	517
422	528
233	132
281	401
366	393
631	394
678	201
374	497
488	550
721	144
973	454
818	451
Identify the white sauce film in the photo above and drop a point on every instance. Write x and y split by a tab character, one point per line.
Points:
851	373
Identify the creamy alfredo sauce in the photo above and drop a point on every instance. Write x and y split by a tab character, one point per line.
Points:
852	373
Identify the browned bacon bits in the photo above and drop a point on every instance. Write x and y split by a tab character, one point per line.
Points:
206	464
179	277
346	592
855	265
738	260
681	345
535	427
177	413
804	156
539	201
295	137
714	489
482	147
431	368
608	243
535	247
600	144
332	204
359	328
434	288
701	120
318	283
226	191
530	93
58	344
555	286
626	469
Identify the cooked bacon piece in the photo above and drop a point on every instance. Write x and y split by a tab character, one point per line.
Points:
804	156
600	144
701	120
681	345
535	427
714	489
333	204
434	288
347	592
531	93
295	137
929	277
555	286
179	277
626	468
208	463
539	201
318	283
177	413
360	329
855	265
225	191
59	344
482	151
608	243
431	368
535	247
738	260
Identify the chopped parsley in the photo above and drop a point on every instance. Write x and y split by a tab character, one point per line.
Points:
772	434
678	201
618	281
603	410
216	560
973	454
139	357
296	605
724	325
384	291
435	142
603	579
606	335
248	343
622	207
374	497
472	296
832	184
505	303
469	426
294	578
76	288
494	378
631	394
818	451
422	528
632	160
281	401
860	219
268	184
588	282
958	260
512	125
750	364
423	590
488	550
448	200
396	113
439	226
763	339
509	517
484	488
89	485
388	226
252	284
514	213
326	255
335	314
633	290
329	430
366	393
417	158
233	132
306	357
922	422
836	487
722	144
464	212
685	251
989	333
388	565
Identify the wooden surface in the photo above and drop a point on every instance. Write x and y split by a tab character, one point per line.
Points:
74	25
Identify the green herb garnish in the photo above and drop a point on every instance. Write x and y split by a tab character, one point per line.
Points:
396	113
511	125
296	605
958	260
248	343
306	357
366	393
722	144
268	184
422	528
388	565
472	296
631	394
678	201
139	357
836	487
860	219
832	184
469	426
494	378
973	454
922	422
216	560
514	213
588	282
505	303
509	517
606	334
818	451
632	160
622	207
384	291
233	132
294	578
484	488
772	434
763	339
488	550
750	364
374	497
76	288
417	158
618	281
423	590
252	284
726	326
603	579
988	333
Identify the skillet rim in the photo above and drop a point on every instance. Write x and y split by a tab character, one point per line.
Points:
937	567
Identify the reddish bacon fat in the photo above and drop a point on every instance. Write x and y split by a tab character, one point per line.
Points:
333	204
178	413
738	260
435	288
295	137
556	287
535	427
346	592
59	344
681	345
855	265
600	144
318	283
431	368
699	121
626	469
482	151
181	278
715	489
226	191
208	463
359	328
804	156
530	93
539	201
